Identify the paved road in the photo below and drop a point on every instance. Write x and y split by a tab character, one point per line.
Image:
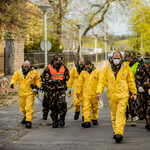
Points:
74	137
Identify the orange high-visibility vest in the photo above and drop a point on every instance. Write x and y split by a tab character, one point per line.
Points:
57	75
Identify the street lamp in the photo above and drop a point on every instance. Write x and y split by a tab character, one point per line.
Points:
44	9
113	47
105	40
79	25
96	35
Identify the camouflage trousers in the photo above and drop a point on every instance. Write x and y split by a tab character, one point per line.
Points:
55	101
144	107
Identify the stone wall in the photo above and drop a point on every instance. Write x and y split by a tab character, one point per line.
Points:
4	81
17	55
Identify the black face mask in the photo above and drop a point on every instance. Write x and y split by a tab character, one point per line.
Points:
26	69
59	63
81	66
88	69
125	60
146	61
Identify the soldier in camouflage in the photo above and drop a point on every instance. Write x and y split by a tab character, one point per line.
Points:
54	80
133	65
139	58
142	79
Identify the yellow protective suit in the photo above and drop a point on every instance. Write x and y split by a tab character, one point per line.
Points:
26	95
87	83
73	80
117	93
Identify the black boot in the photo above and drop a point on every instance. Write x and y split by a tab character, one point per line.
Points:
24	120
76	116
55	124
118	138
44	117
28	124
148	126
86	124
95	122
83	118
62	123
62	120
114	136
141	117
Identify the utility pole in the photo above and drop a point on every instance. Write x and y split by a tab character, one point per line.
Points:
105	42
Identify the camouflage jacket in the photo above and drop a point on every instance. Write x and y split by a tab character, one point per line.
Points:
47	83
141	78
132	63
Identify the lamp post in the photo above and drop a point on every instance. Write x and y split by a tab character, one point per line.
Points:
141	45
113	47
44	9
96	35
79	25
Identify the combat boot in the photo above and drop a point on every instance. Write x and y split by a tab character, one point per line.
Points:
76	116
133	123
62	120
44	117
86	124
118	138
55	124
148	126
95	122
62	123
23	121
141	117
28	124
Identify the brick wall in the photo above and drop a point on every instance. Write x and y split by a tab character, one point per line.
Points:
4	81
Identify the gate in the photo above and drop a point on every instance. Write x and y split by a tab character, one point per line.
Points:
2	46
5	51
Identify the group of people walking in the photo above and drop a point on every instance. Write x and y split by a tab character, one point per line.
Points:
125	81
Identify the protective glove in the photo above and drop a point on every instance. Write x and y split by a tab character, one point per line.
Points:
140	89
12	86
100	103
56	81
69	92
34	88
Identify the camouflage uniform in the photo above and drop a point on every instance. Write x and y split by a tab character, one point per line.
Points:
129	54
55	94
142	79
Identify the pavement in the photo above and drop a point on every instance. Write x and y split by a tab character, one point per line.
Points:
14	136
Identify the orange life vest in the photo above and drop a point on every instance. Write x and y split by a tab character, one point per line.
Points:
57	75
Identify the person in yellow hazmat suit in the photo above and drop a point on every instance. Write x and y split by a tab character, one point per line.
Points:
26	76
73	80
119	80
87	83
